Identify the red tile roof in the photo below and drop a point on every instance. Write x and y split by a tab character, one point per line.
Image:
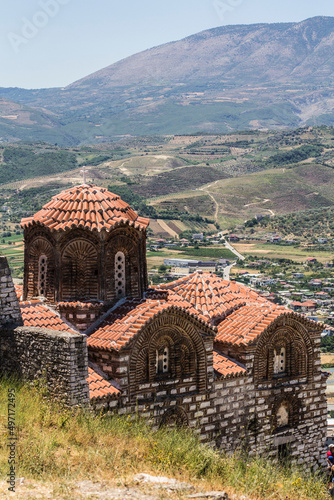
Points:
19	291
86	206
211	295
237	314
35	313
247	323
99	387
128	319
226	366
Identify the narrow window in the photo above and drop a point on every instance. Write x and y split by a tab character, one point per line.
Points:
42	268
282	416
162	360
120	274
279	360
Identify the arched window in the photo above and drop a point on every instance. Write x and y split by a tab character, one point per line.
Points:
120	274
42	269
279	360
162	360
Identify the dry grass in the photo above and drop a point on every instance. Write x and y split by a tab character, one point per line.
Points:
327	358
61	445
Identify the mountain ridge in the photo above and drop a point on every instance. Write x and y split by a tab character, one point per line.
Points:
222	79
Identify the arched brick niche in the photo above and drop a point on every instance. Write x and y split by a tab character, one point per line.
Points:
174	417
125	264
39	273
171	347
284	350
286	412
79	270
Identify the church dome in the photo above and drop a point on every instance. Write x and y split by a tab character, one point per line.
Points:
86	206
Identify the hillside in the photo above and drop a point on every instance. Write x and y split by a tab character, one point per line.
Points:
220	80
196	183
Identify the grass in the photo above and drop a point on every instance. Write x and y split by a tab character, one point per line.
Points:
58	445
298	254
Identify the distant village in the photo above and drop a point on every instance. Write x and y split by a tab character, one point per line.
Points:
313	297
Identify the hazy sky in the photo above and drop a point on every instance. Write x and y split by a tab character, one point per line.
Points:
50	43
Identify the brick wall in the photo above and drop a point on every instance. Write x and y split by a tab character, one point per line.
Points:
60	358
231	413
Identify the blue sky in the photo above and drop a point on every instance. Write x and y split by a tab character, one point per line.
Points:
50	43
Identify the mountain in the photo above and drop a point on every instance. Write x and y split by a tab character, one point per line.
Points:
260	53
220	80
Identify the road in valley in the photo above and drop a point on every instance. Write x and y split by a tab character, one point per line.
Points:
229	246
227	271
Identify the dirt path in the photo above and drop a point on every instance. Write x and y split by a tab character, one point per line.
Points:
212	198
123	169
257	203
167	228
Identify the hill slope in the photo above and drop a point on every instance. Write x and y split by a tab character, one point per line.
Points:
244	54
222	79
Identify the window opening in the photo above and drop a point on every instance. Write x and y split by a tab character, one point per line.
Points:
282	416
120	274
162	360
42	269
279	360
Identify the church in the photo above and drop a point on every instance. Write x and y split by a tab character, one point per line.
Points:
200	352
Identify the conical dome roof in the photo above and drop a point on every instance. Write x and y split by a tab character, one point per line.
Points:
86	206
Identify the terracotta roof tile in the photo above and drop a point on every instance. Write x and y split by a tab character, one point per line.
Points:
35	313
226	366
237	314
19	291
209	293
99	387
88	205
128	319
247	323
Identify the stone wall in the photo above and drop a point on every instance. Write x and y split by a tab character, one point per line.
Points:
60	358
9	304
283	414
176	397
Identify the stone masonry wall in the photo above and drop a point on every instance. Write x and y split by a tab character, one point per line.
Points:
232	413
175	400
9	304
58	357
246	414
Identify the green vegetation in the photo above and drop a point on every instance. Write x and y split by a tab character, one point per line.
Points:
61	445
306	224
295	155
136	201
23	163
327	345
